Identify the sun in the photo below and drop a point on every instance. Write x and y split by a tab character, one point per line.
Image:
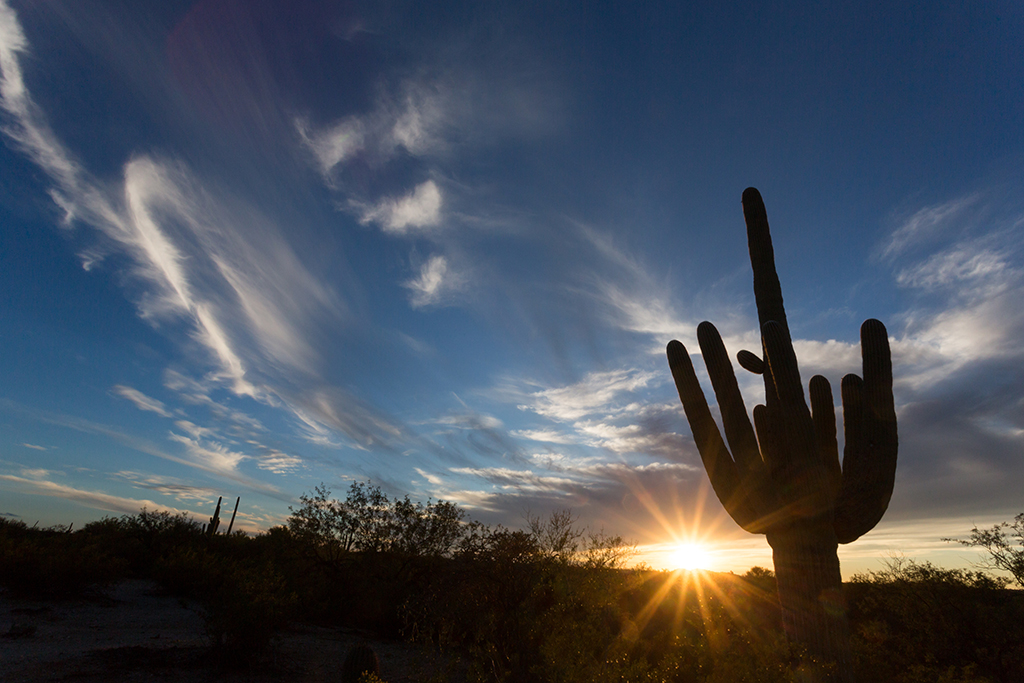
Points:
690	556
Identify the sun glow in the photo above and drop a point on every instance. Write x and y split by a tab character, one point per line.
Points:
690	556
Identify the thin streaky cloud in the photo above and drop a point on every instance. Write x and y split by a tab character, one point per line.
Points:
279	463
35	447
596	392
144	446
925	224
141	401
211	455
96	499
966	266
169	486
543	435
156	192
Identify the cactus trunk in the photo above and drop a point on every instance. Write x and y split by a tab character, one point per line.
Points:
810	595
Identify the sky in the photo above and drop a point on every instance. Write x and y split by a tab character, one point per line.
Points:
247	247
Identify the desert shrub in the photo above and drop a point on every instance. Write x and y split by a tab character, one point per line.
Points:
916	622
244	602
53	562
142	539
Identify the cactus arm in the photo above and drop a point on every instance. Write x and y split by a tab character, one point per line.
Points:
750	362
754	470
722	471
869	422
767	289
823	413
738	431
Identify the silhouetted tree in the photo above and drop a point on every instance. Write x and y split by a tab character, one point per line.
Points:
368	521
1005	553
783	478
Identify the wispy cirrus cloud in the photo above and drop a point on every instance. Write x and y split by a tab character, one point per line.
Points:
278	462
412	120
544	435
963	266
169	486
94	499
436	284
211	455
206	261
419	209
596	392
141	401
928	223
212	463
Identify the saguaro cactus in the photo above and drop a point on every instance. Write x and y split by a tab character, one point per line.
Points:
211	529
783	477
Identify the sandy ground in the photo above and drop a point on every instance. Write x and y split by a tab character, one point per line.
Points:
132	632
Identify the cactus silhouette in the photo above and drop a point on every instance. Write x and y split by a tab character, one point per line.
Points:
783	477
211	529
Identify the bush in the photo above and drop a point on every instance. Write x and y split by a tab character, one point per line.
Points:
918	622
245	603
53	562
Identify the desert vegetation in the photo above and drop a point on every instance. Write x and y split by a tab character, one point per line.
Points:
549	602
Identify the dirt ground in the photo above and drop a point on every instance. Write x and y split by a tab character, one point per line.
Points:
132	632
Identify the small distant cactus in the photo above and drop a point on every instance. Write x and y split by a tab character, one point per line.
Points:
211	528
360	660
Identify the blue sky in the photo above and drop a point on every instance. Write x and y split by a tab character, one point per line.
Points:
246	247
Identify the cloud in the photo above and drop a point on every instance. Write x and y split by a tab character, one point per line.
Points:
202	258
327	409
926	224
595	393
214	464
432	479
544	435
34	447
957	359
471	421
193	429
964	264
210	455
26	127
278	462
436	282
420	209
412	120
633	437
141	401
516	479
169	486
335	144
198	393
94	499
